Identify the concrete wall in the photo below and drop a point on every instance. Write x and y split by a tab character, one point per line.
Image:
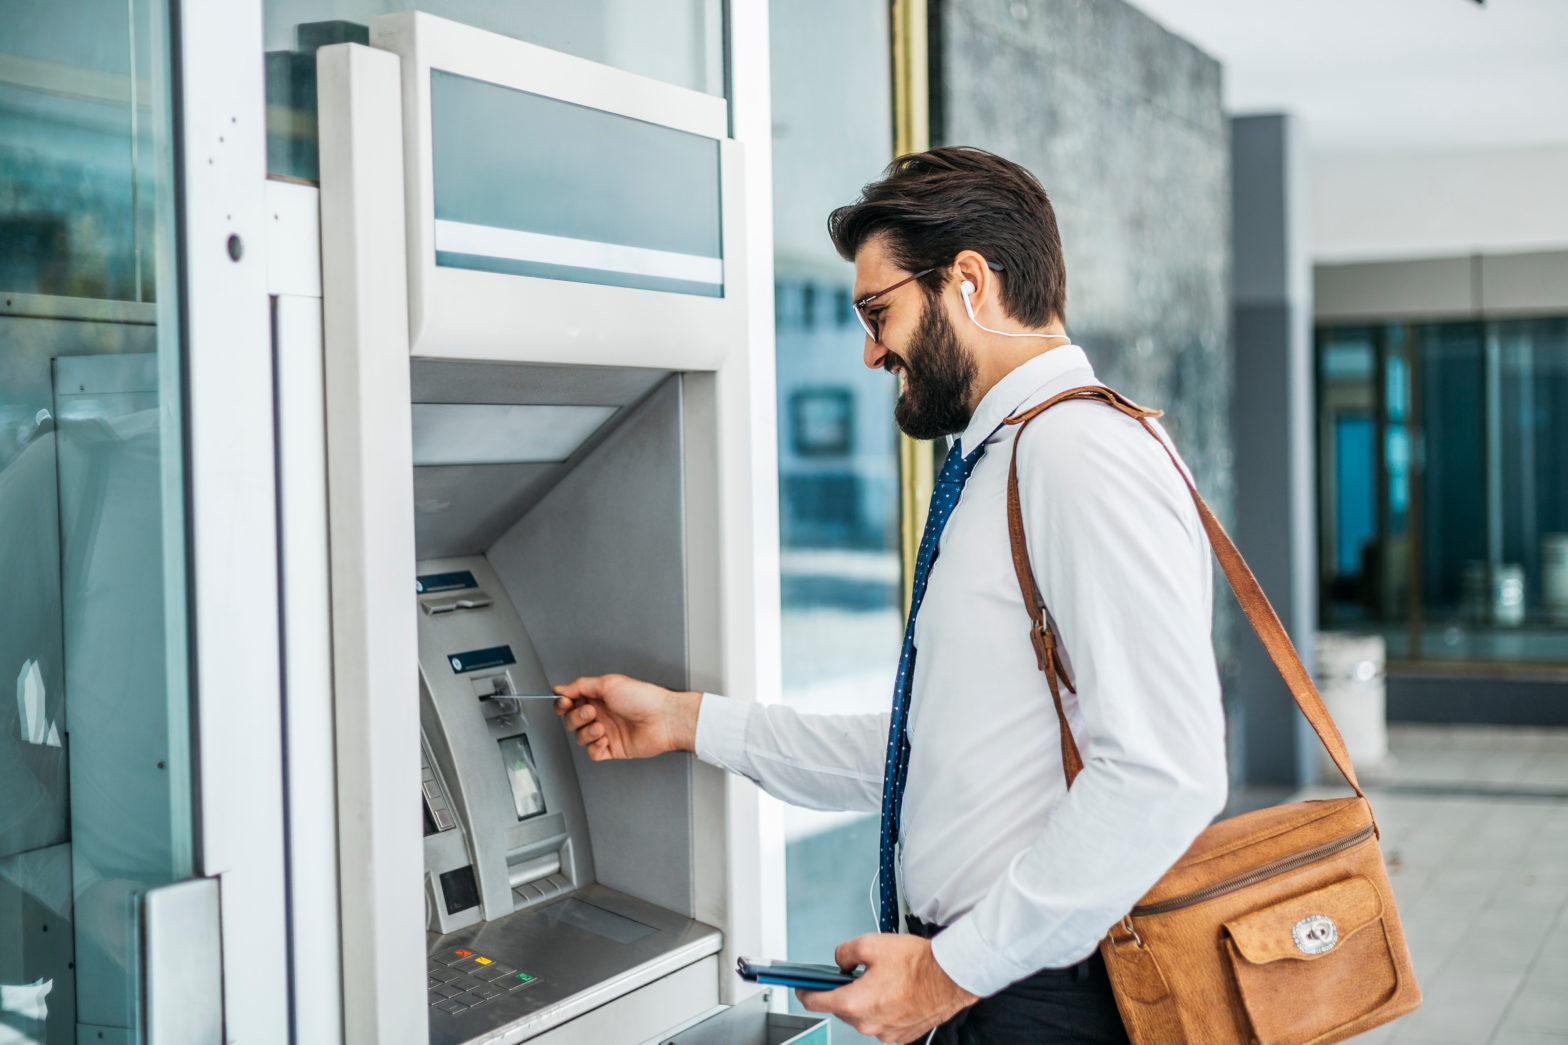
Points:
1122	122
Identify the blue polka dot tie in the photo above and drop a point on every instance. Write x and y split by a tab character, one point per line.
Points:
944	498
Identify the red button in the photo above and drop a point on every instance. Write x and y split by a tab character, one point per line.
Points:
462	954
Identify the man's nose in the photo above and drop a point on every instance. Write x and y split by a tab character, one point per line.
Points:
873	353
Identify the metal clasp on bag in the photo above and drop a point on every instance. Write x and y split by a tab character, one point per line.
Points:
1126	925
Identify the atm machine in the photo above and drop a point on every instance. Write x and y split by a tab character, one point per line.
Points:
536	388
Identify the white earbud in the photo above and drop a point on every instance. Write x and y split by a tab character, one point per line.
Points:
966	288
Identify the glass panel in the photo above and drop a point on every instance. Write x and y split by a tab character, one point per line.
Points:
677	41
1443	503
93	631
1348	498
1395	482
1532	581
838	451
569	192
1453	560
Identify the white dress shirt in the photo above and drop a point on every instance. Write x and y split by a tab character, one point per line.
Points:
1024	874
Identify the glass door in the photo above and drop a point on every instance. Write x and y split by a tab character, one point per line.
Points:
95	744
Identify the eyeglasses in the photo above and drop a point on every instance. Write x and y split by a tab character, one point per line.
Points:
872	324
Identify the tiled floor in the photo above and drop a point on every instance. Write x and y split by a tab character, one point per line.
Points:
1475	832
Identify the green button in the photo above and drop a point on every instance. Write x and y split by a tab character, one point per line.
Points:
524	977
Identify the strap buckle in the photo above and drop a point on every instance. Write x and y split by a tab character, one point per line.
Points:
1044	642
1043	638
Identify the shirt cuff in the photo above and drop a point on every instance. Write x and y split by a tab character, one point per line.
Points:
974	964
721	732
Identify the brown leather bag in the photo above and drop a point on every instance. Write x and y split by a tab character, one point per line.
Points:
1276	927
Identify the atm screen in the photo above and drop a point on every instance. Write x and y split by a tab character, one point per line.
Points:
523	775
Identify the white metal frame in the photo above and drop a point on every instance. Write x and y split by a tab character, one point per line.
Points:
748	451
294	282
234	534
232	504
469	314
370	501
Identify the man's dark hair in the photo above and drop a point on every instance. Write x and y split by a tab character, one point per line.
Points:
932	205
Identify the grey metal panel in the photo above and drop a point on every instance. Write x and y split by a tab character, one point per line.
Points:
597	573
182	978
1424	288
749	1023
437	381
1535	282
575	966
463	509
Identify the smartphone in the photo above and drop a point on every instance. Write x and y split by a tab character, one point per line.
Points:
796	974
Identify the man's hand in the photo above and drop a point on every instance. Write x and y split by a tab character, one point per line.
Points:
902	994
617	717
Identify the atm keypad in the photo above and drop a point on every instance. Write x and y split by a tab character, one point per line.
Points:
461	979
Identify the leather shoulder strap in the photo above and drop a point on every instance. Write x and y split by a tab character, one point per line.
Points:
1260	614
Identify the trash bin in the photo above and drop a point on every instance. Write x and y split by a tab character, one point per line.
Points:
1350	675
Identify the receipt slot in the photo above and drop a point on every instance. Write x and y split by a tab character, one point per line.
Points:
538	431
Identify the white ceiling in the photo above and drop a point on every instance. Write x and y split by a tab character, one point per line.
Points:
1390	75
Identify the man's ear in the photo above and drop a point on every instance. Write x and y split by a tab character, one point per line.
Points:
970	266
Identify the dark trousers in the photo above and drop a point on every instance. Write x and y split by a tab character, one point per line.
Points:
1072	1006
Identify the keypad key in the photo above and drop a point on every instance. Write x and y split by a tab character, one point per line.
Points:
493	973
517	981
444	991
489	991
465	983
451	1006
473	1001
453	957
438	972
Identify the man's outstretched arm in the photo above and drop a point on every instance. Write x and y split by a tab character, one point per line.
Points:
816	761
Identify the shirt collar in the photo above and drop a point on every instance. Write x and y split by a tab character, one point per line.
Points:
1020	386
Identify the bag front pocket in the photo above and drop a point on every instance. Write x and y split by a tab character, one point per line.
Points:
1312	963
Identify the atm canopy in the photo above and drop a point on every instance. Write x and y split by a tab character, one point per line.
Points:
478	470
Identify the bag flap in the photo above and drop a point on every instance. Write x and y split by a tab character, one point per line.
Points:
1307	926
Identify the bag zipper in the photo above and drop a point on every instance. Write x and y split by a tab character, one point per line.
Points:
1241	881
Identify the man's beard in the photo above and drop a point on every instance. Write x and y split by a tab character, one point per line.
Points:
938	375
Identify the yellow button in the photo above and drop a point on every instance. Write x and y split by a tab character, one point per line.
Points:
482	961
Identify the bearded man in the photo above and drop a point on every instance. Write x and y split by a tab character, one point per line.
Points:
997	882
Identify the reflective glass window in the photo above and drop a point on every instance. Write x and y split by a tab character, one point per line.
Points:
838	451
570	192
95	768
1442	507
